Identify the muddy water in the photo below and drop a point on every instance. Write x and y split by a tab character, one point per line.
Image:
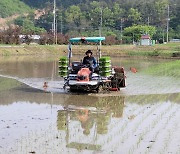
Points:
142	118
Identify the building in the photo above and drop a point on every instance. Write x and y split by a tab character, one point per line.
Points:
33	38
145	40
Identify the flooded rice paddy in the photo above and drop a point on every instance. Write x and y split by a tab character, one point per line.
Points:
141	118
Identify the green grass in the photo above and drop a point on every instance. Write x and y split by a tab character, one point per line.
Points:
7	84
160	50
171	69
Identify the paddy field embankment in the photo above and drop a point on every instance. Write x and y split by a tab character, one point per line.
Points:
170	50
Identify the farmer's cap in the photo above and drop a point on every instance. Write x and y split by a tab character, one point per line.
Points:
89	51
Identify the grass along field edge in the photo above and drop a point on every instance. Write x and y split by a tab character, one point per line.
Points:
171	69
171	50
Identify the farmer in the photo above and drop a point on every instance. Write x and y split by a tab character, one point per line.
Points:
90	61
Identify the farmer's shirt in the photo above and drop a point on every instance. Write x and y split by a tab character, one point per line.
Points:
90	61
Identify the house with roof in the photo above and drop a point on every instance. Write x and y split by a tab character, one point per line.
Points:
145	40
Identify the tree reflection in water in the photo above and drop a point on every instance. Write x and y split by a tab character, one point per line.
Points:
86	118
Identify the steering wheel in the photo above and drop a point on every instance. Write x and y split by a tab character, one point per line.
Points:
86	66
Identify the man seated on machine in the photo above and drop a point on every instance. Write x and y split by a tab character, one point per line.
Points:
90	61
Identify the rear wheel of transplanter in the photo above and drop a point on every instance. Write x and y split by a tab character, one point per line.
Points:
72	89
100	89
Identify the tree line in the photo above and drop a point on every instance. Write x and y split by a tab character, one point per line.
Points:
120	20
13	36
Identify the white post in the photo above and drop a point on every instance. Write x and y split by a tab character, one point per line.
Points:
148	21
100	34
54	22
61	24
121	30
167	30
100	27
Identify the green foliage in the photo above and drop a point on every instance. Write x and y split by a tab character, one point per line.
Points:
28	25
36	3
160	6
78	17
73	15
134	15
12	7
108	19
135	32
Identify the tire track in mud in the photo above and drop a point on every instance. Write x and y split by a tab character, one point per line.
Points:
136	84
124	133
148	129
155	130
38	83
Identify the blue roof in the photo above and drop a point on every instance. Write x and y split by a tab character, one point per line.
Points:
88	39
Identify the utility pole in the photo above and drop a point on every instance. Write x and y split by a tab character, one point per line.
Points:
100	34
148	21
61	24
100	27
56	31
163	35
167	30
121	30
54	22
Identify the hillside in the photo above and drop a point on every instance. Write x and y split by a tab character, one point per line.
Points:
5	22
12	7
92	17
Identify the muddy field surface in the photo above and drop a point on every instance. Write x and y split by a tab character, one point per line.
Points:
141	118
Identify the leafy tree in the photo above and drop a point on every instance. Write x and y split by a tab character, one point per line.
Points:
82	17
45	21
20	20
36	3
134	16
159	35
118	14
160	12
95	13
107	16
12	7
174	33
74	15
135	32
175	18
29	28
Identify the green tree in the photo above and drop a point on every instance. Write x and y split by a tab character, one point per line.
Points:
107	16
135	32
95	14
73	15
28	27
45	21
160	12
12	7
134	16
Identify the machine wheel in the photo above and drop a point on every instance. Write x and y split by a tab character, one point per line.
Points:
72	90
100	89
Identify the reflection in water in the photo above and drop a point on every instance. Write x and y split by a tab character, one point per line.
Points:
33	121
37	67
90	118
29	67
34	71
89	124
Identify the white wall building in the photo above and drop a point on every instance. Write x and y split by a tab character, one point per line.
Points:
145	40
